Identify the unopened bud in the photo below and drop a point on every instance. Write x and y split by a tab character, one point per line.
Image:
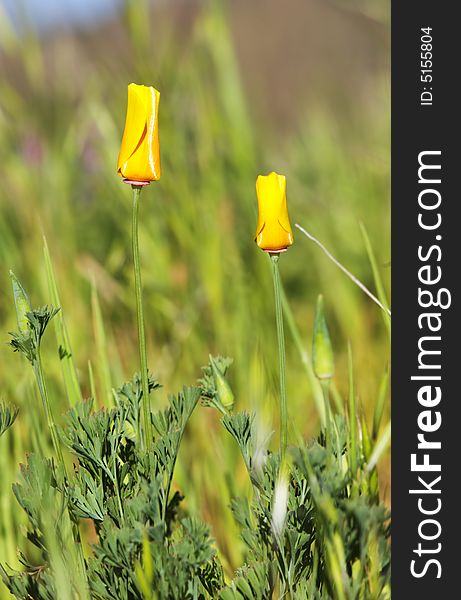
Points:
223	389
21	303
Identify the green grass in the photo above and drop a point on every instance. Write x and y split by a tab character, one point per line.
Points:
207	288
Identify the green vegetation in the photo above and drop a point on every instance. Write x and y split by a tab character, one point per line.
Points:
124	520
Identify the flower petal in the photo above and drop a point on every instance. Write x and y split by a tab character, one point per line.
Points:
135	124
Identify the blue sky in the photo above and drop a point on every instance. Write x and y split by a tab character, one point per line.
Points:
57	14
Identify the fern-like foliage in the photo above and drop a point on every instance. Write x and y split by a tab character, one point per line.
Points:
334	542
8	416
240	426
126	493
27	341
251	583
328	539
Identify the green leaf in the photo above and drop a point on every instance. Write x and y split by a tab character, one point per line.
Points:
251	584
65	350
377	277
240	426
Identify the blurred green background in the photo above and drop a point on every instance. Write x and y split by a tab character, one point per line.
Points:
300	87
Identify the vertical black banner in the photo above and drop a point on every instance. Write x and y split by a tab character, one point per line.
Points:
426	349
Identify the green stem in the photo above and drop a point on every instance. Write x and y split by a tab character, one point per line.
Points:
331	430
352	415
114	478
282	358
140	319
325	383
38	371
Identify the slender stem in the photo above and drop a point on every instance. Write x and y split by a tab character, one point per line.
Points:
114	478
38	370
352	415
146	422
331	431
282	359
325	383
170	474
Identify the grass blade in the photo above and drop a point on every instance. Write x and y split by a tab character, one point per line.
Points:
352	277
103	368
69	371
305	358
379	408
380	447
377	277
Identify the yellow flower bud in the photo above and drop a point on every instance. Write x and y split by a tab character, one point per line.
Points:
273	231
139	157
